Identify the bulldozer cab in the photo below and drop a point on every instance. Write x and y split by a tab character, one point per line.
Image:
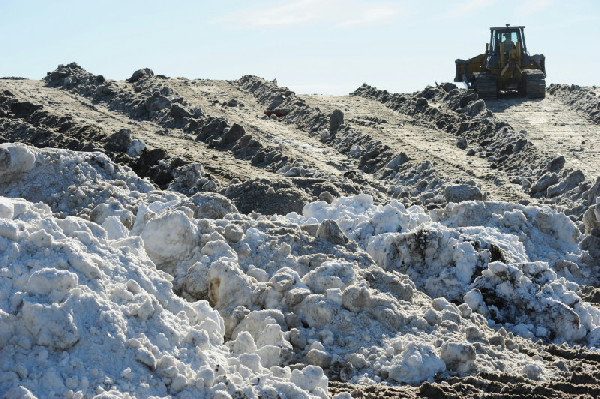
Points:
509	36
505	66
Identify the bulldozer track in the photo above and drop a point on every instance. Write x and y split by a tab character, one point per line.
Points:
485	85
535	84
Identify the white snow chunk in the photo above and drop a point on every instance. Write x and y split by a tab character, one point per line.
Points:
15	159
136	148
45	280
169	238
115	230
416	363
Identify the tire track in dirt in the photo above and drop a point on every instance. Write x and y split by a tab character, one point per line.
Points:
555	129
402	133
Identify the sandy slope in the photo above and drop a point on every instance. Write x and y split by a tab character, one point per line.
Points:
555	129
65	103
403	133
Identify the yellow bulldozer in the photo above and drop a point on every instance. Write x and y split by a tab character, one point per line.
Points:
505	66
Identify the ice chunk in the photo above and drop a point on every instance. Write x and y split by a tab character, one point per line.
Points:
169	238
309	378
416	363
15	159
228	285
458	356
45	280
52	326
331	274
115	230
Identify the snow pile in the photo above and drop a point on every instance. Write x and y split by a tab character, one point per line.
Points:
114	288
82	314
84	309
72	183
526	260
15	160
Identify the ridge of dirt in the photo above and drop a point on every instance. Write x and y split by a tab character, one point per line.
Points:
543	174
146	107
585	100
414	170
501	162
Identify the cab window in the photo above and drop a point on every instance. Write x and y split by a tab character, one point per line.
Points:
507	38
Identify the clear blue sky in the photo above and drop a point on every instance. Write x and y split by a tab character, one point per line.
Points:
311	46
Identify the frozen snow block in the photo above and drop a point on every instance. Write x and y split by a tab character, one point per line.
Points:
212	205
458	356
228	285
169	237
309	378
15	158
19	392
6	208
331	274
52	326
416	363
46	280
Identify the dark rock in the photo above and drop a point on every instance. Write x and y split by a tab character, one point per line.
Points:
462	192
214	128
179	112
572	181
149	158
556	164
157	102
330	231
545	181
593	193
120	141
105	90
591	218
336	119
475	108
467	98
432	391
23	109
591	243
267	197
139	74
166	91
397	161
509	149
448	87
235	133
422	102
462	143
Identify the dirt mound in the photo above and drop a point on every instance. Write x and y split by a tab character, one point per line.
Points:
582	99
266	197
462	114
149	102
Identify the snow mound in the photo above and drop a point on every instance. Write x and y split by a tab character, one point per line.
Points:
525	260
140	292
85	315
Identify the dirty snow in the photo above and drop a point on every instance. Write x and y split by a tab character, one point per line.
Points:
109	287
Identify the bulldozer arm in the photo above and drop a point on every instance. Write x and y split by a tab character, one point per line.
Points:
466	68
